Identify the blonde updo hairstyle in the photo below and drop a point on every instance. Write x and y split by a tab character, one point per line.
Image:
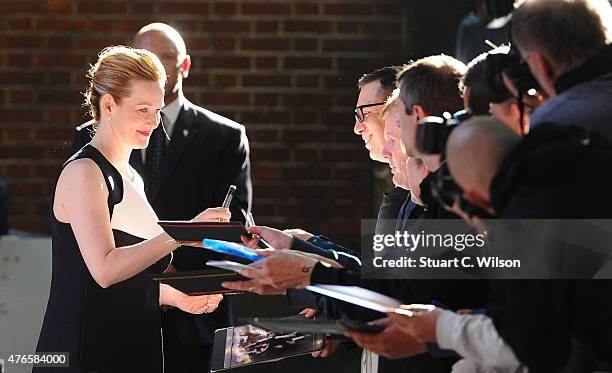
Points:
117	67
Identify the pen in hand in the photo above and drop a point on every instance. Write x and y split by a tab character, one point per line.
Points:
263	244
228	198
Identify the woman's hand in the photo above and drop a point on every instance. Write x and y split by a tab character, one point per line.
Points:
198	304
213	214
195	304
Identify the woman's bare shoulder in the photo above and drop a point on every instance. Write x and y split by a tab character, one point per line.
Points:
81	174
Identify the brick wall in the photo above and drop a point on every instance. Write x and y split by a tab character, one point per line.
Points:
284	69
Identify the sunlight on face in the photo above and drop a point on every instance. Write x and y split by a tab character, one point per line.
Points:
137	115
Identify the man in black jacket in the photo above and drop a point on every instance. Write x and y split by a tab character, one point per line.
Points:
553	173
189	165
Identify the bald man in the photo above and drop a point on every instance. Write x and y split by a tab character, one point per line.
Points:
552	173
188	166
475	151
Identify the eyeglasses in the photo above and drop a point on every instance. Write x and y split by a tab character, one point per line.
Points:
360	115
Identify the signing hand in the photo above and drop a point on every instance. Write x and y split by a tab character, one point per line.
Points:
391	343
278	239
422	327
279	271
299	233
213	214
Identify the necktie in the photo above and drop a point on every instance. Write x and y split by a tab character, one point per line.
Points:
154	156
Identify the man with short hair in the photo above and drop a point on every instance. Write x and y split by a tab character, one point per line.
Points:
565	44
428	86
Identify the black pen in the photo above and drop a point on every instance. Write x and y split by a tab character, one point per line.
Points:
228	198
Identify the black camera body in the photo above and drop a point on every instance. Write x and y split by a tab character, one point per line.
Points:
432	132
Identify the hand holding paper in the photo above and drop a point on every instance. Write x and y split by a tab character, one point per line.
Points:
279	271
392	342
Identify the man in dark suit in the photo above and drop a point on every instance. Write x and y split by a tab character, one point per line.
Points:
188	166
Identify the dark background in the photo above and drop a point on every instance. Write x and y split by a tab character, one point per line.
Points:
287	70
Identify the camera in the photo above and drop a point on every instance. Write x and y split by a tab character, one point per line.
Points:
432	132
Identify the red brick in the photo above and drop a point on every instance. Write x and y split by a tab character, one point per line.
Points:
95	42
224	8
223	43
59	97
198	79
22	6
306	99
21	78
271	191
306	44
21	152
17	134
266	62
58	115
60	6
307	8
21	41
266	117
53	134
109	7
128	25
305	173
19	115
386	9
142	8
264	173
226	26
21	24
265	44
101	25
266	99
45	170
225	80
259	135
50	24
302	155
270	153
344	9
180	7
308	26
347	27
266	80
21	97
18	171
345	155
196	43
225	62
357	45
266	26
185	27
304	136
225	99
61	42
59	78
308	63
308	81
22	60
260	8
63	60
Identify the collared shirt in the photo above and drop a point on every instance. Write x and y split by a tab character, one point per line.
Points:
170	112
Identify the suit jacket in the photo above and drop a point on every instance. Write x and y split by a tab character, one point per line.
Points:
206	154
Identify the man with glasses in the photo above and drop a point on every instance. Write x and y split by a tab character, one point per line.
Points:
566	46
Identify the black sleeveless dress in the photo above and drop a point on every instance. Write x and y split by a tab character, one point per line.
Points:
116	329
